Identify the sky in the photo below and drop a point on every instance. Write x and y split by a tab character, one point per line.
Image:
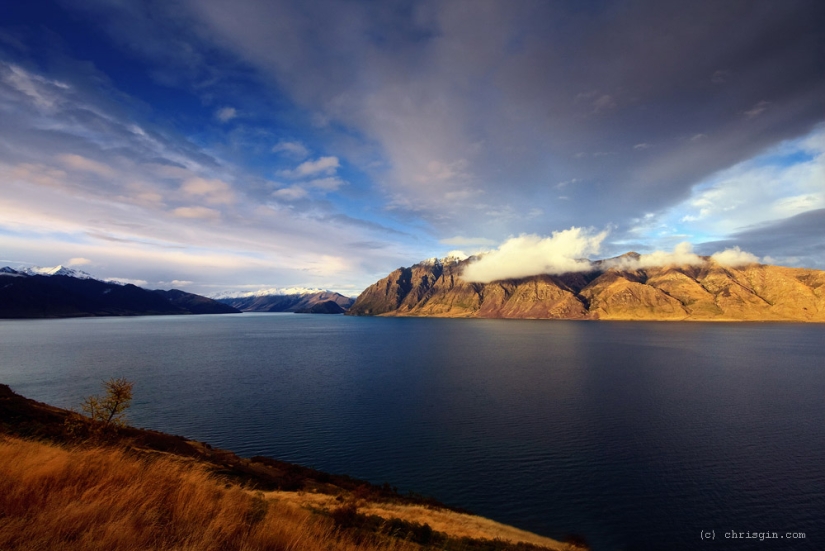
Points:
220	146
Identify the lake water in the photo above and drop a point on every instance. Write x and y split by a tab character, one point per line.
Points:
638	436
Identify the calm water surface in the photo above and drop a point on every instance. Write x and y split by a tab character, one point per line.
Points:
637	435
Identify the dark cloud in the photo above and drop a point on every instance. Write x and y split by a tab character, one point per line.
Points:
497	102
799	240
482	118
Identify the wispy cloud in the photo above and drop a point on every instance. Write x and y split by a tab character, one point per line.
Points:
757	109
226	114
321	165
292	148
78	261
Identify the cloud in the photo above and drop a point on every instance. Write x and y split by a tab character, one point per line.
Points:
291	193
197	212
603	102
528	255
734	257
786	180
226	114
78	261
77	162
682	255
214	191
322	165
795	241
331	183
640	146
43	92
757	109
295	149
128	281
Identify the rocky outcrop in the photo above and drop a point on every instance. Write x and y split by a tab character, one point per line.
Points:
711	291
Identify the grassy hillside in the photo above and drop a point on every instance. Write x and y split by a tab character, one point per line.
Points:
65	485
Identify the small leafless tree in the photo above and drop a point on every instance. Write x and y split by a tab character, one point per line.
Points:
109	409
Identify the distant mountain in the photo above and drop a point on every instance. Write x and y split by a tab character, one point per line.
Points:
56	270
710	291
326	307
196	304
58	296
303	303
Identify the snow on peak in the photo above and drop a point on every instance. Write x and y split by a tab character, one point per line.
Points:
56	270
266	292
7	271
454	256
451	258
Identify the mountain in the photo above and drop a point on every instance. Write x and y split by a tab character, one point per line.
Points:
303	303
710	291
326	307
60	296
56	270
195	304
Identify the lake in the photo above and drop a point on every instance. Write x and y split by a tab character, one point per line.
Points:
637	435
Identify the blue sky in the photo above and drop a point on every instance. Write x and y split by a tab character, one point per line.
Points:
217	146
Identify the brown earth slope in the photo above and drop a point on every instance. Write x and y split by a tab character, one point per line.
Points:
755	292
70	484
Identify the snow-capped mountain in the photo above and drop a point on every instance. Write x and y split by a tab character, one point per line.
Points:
6	271
56	270
273	291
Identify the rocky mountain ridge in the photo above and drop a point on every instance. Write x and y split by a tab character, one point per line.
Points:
710	291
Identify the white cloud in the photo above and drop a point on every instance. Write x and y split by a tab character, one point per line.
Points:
734	257
77	162
785	181
45	93
226	114
294	148
291	193
127	281
527	255
322	165
214	191
196	212
78	261
681	255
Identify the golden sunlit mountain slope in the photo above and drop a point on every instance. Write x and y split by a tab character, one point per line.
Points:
710	291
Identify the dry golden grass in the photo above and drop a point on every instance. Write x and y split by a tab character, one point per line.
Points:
457	525
107	499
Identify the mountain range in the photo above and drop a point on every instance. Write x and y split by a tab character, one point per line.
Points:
319	302
609	291
62	292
